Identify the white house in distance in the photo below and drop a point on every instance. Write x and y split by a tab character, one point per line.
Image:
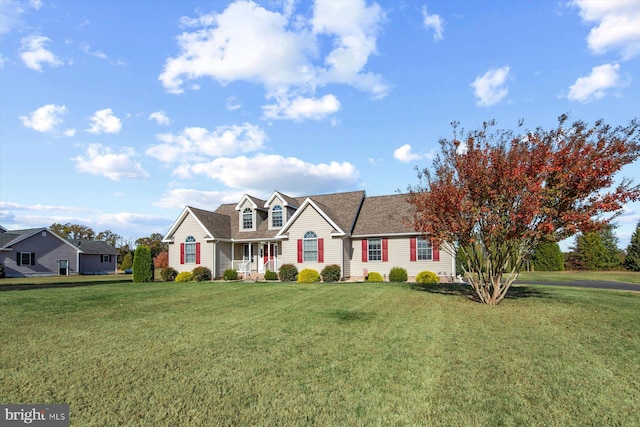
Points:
360	234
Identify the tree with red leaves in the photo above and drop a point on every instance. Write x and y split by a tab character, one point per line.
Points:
492	195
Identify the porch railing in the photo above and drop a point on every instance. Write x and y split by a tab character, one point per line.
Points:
243	267
271	265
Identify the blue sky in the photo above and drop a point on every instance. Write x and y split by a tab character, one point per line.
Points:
117	114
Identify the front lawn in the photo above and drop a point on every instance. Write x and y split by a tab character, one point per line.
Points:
571	275
167	354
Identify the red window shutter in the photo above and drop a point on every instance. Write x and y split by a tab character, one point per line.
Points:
320	250
197	252
412	249
436	251
181	253
300	251
385	250
365	250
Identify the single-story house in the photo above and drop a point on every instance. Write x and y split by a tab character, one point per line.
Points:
40	252
360	234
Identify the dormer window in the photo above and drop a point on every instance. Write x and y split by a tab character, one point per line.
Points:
247	219
276	216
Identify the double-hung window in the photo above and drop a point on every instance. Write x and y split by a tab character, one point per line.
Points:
375	249
424	250
190	250
310	247
247	219
276	216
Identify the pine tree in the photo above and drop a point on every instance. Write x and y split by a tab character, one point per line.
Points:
632	259
548	257
596	250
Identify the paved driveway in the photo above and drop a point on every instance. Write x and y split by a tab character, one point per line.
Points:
586	284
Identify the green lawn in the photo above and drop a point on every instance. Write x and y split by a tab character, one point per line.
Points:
324	354
567	276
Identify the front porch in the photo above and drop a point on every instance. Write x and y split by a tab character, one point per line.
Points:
252	259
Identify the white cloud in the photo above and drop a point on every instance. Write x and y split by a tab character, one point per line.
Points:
197	143
70	132
595	85
434	22
160	118
238	44
98	54
263	173
617	26
34	54
103	121
405	154
11	12
45	118
233	103
178	198
302	108
490	88
101	160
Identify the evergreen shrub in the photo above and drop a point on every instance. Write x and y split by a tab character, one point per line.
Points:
185	276
168	274
330	273
288	273
427	278
374	277
308	275
142	265
398	275
270	275
201	274
230	274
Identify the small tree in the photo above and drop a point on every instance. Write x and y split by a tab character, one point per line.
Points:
632	259
547	256
127	261
142	265
161	260
493	195
596	250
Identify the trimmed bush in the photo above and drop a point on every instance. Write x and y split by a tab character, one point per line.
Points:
308	275
330	273
374	277
427	278
201	274
168	274
230	274
270	275
185	276
142	265
398	274
288	273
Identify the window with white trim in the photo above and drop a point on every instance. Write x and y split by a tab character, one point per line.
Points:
247	219
190	250
310	247
276	216
424	249
375	249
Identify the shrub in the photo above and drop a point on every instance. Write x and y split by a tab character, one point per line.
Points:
330	273
288	273
270	275
374	277
161	260
185	276
127	262
168	274
201	274
398	274
142	265
230	274
427	278
308	275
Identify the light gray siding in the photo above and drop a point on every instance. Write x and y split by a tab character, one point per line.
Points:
93	264
48	249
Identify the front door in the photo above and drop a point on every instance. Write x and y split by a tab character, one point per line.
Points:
63	267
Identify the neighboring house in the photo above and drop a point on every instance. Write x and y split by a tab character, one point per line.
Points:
39	252
360	234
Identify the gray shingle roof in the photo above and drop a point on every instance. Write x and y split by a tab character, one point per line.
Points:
218	225
385	215
93	247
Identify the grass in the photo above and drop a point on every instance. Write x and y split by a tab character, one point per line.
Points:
338	354
567	276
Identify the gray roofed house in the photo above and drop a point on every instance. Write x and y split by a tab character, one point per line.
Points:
40	252
360	234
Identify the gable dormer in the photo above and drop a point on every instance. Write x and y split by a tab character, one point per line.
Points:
250	213
280	207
